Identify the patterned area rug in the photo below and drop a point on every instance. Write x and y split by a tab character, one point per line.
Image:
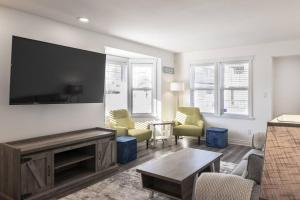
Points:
125	186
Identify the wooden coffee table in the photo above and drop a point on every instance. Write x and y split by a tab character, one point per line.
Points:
175	174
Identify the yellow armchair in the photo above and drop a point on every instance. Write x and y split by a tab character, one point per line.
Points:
188	122
123	123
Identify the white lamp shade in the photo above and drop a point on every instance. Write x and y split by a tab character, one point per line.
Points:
177	86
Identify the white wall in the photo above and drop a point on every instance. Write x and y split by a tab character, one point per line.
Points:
286	82
18	122
262	83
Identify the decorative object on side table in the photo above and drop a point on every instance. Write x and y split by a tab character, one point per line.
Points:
164	136
126	149
217	137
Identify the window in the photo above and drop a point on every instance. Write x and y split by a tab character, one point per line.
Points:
223	88
130	83
142	88
203	85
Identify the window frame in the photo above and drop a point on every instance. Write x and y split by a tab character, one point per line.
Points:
153	90
219	86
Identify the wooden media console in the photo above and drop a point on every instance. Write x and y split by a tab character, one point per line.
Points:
55	165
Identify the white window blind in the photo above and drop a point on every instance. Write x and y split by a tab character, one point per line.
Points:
116	86
113	78
236	88
204	87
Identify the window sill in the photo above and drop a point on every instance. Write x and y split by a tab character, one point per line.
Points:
229	116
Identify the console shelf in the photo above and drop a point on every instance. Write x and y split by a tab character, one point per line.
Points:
64	177
73	156
53	166
72	160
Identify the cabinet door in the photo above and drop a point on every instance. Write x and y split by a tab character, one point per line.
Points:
107	154
36	173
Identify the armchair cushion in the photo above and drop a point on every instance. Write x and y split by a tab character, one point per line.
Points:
121	118
125	122
188	116
121	131
188	130
140	134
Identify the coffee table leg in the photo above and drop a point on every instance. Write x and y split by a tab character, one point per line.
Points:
194	185
154	135
215	166
151	195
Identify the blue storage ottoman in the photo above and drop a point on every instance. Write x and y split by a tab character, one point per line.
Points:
126	149
217	137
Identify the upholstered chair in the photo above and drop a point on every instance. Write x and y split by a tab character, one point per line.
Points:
188	122
123	123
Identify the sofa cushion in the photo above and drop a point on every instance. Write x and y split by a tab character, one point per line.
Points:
187	130
239	170
140	134
255	168
253	151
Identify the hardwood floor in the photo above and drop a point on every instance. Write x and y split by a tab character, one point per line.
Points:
232	153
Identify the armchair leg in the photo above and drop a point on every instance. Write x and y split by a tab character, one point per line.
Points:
199	140
147	143
176	139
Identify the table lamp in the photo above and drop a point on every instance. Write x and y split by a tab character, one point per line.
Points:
177	87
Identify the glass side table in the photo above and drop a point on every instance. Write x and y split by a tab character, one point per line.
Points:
165	135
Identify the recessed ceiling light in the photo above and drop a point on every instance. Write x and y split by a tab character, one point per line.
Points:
83	19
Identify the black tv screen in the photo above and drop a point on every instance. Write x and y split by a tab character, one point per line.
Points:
44	73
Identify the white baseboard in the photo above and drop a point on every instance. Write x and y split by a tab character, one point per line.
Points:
239	142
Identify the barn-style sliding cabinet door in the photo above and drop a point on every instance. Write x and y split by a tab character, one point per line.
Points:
106	153
36	174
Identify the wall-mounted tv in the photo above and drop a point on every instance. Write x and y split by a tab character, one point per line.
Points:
44	73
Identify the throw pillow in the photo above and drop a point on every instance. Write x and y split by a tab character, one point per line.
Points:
181	117
255	167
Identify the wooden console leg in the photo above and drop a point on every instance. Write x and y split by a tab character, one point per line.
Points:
199	140
147	143
176	139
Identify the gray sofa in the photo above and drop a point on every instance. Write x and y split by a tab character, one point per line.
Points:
258	142
250	167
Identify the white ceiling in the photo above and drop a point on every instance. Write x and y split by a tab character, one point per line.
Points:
178	25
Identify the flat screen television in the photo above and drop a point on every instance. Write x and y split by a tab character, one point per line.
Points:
44	73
